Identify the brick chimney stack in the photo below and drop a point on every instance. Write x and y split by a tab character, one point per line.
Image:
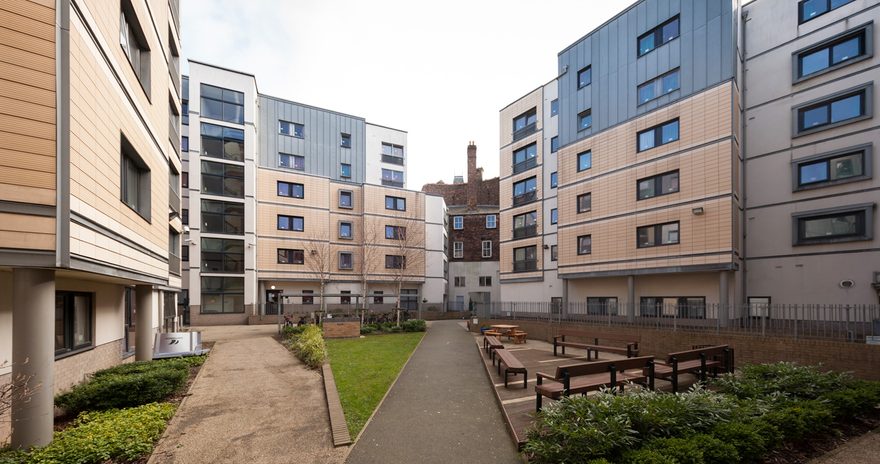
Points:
474	176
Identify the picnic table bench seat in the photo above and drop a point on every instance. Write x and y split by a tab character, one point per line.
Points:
629	347
698	361
491	344
591	376
511	366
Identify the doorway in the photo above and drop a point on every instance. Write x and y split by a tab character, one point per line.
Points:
273	301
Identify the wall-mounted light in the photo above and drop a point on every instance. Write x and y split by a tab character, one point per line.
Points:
698	211
546	247
272	287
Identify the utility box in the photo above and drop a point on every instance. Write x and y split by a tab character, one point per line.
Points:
177	344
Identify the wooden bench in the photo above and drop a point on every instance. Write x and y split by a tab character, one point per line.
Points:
519	336
511	366
490	344
695	361
584	377
630	348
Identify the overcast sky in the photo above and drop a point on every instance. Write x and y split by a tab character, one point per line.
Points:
440	71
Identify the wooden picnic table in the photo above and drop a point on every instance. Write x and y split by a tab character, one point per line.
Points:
504	328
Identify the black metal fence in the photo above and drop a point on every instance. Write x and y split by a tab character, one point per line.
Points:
818	321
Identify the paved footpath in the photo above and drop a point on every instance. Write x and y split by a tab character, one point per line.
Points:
862	450
442	408
254	403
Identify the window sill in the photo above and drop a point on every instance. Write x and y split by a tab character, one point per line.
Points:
346	238
831	183
657	98
829	69
814	130
831	241
346	207
642	247
127	354
144	217
74	352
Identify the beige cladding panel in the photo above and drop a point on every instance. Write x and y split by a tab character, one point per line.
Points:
703	118
532	100
505	188
316	190
374	202
507	153
27	232
27	114
506	225
506	258
316	222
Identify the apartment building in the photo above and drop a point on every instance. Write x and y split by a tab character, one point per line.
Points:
472	225
89	202
689	182
288	202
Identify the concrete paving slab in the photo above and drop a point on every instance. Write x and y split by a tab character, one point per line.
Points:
254	403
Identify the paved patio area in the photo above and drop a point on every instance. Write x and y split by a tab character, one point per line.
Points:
254	403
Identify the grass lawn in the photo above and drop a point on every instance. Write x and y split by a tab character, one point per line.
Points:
364	369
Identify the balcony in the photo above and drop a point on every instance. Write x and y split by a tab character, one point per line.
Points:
524	132
525	266
525	165
391	159
392	183
174	264
527	231
173	201
527	197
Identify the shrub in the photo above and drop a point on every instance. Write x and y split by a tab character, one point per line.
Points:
788	379
309	346
646	456
749	438
366	329
96	437
126	385
9	456
414	325
679	450
801	419
854	399
290	331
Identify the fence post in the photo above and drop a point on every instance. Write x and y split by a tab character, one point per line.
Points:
849	338
795	319
764	321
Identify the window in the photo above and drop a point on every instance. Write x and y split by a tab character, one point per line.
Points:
222	255
223	179
395	232
491	221
657	235
554	216
525	258
184	179
487	249
184	253
135	180
308	297
459	281
585	160
658	135
485	281
834	225
811	9
833	168
222	295
345	298
458	222
222	217
222	104
345	230
655	186
554	107
525	158
184	216
525	191
584	202
395	262
294	223
184	112
524	124
409	299
184	144
848	106
525	225
395	203
345	140
222	142
585	244
832	53
601	306
554	179
554	253
345	171
346	260
658	87
290	189
73	321
658	36
134	44
585	119
296	162
457	249
585	77
554	144
392	153
289	256
392	178
345	199
173	251
291	129
377	297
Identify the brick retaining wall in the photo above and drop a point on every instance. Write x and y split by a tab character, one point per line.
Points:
347	329
863	360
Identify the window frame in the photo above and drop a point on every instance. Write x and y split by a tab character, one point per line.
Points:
457	222
69	323
485	281
528	128
292	221
223	101
298	132
396	262
526	196
866	210
483	253
223	178
224	138
554	216
457	249
657	82
658	185
207	212
588	71
342	194
866	150
524	263
554	253
290	186
342	140
396	232
588	153
290	256
589	251
865	31
223	255
293	158
554	179
342	174
459	281
221	293
129	157
580	117
657	233
578	202
528	162
658	135
350	235
128	16
350	261
397	201
867	107
657	32
800	7
554	107
494	221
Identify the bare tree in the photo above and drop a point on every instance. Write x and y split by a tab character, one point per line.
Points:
371	256
319	257
19	388
408	258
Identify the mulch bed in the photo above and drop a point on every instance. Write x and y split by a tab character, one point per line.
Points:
842	433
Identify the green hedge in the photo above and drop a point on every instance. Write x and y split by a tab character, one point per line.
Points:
412	325
128	385
309	346
118	435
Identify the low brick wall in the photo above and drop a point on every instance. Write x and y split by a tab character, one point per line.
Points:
344	329
442	315
861	359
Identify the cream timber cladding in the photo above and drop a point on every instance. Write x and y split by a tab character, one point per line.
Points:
27	125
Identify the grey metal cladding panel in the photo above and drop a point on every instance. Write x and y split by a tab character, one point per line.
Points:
700	59
713	52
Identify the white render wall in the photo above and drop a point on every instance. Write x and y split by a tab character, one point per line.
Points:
375	136
435	286
472	271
